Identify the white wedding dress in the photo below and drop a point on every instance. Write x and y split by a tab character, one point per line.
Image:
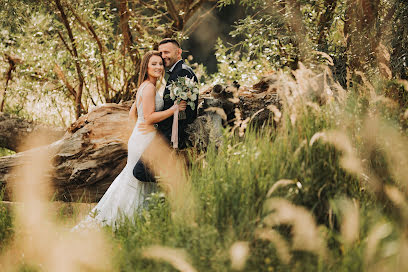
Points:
126	195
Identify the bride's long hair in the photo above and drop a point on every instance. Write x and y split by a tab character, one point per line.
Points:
143	67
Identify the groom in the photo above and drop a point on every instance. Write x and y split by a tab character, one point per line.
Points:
171	53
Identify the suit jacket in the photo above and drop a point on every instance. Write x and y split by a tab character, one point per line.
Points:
165	126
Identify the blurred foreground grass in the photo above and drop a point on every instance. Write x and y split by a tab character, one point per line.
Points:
323	188
324	191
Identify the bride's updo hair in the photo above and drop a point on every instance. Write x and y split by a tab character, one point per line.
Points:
144	64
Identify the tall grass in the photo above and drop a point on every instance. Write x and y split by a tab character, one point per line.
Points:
6	225
323	188
325	212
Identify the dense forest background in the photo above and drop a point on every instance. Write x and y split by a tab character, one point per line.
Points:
71	56
321	185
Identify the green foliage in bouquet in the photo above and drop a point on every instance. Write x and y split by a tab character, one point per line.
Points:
186	89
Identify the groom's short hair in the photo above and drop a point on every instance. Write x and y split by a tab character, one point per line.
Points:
170	40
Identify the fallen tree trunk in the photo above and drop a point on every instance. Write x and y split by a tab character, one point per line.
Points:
94	149
14	130
86	160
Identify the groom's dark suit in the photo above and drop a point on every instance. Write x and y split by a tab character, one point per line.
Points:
165	127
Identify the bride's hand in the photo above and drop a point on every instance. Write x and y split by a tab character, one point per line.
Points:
182	105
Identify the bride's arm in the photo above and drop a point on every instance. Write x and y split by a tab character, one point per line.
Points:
150	116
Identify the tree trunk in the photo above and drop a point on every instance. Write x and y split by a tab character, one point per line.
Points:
14	130
361	32
94	149
12	66
73	49
325	22
86	160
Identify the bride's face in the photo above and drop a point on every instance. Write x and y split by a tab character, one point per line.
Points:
155	67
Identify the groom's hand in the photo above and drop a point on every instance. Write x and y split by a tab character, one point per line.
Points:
145	128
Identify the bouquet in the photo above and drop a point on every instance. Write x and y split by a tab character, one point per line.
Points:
183	88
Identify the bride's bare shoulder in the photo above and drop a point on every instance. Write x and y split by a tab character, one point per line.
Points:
149	88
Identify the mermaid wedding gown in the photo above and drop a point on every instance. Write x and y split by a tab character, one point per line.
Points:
126	195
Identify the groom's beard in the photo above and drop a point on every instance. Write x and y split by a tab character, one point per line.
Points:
167	63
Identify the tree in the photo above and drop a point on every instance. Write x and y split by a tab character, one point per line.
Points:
79	54
399	42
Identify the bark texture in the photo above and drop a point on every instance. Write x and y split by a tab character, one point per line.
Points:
86	160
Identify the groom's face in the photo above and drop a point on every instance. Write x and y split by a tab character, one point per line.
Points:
170	53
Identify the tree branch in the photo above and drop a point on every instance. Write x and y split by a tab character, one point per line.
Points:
61	76
155	9
127	35
12	66
65	43
193	8
92	32
326	19
172	9
76	59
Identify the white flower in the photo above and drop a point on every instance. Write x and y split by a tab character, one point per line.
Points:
184	88
183	95
193	97
176	91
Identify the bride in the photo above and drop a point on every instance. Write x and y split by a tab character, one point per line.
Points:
127	194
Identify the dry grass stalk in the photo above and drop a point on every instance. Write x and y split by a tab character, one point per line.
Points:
279	183
39	241
313	105
317	136
308	89
350	160
276	113
239	252
299	148
255	114
395	148
377	233
326	56
176	257
399	200
403	254
384	100
405	114
304	230
237	121
242	126
281	246
366	82
350	225
173	178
